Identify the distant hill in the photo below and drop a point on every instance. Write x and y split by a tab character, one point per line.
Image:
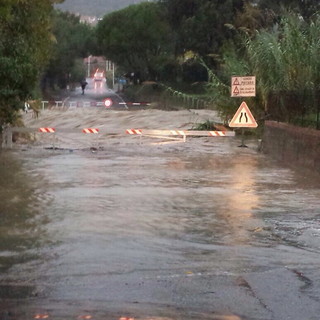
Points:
97	8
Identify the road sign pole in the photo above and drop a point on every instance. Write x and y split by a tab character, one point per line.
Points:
242	140
112	76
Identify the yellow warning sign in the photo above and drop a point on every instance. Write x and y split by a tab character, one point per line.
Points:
243	118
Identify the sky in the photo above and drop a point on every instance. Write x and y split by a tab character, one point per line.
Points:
96	8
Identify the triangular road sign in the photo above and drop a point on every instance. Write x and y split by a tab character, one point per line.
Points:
236	82
236	91
243	118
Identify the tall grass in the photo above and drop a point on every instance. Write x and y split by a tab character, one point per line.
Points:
286	64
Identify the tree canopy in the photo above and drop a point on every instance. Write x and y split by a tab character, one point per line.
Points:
305	8
73	40
137	38
199	25
25	42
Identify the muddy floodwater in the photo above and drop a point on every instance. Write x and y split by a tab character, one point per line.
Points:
114	227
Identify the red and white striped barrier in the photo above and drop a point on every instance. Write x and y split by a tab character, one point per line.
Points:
50	130
41	316
134	131
90	130
177	133
194	133
217	133
135	103
163	134
86	316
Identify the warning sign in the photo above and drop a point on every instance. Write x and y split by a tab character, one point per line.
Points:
243	86
243	118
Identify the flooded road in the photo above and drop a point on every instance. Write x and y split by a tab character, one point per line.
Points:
145	229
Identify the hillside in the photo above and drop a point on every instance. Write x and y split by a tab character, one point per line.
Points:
96	8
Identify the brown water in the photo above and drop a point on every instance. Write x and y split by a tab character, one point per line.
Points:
153	230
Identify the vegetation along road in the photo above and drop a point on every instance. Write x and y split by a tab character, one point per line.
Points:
102	224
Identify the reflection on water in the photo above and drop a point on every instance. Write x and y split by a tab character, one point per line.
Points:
219	199
20	209
242	200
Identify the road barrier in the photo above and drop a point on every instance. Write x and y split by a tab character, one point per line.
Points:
135	103
41	316
90	130
167	134
134	131
70	104
50	130
78	104
182	133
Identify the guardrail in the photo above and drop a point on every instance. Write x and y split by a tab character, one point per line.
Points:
8	131
77	104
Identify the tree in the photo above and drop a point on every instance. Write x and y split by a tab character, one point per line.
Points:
305	8
199	25
252	18
286	64
137	38
25	41
73	40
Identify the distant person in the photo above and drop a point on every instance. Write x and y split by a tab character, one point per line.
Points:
83	85
26	107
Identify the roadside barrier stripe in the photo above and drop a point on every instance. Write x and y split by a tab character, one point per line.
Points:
178	132
159	132
51	130
217	133
90	130
135	103
41	316
134	131
181	132
198	133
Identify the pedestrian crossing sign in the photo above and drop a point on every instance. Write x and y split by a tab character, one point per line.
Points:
243	118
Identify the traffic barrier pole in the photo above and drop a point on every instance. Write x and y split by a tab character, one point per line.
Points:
7	137
94	131
49	130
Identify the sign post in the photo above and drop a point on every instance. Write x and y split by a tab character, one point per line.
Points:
243	118
243	86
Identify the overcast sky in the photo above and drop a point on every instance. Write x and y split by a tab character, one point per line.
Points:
95	7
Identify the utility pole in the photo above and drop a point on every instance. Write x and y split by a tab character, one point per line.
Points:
110	67
113	76
89	66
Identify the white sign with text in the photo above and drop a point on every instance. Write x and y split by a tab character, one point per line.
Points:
243	86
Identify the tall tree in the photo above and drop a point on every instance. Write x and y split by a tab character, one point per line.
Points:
25	40
306	8
73	40
138	38
200	24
